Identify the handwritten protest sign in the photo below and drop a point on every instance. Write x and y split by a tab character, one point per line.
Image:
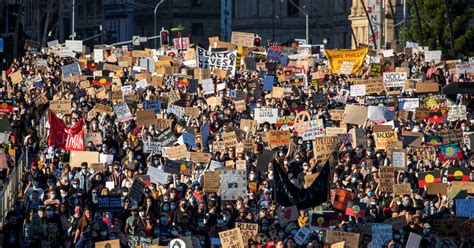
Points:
249	230
242	39
219	60
394	79
232	238
325	146
122	111
382	139
399	158
465	208
269	115
351	239
211	181
387	179
381	235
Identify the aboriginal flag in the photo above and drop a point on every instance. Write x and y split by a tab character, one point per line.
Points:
91	65
458	174
356	209
341	198
183	82
428	177
102	81
323	219
435	117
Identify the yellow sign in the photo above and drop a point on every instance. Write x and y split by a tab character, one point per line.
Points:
337	58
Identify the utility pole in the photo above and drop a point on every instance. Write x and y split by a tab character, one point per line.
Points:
420	32
73	19
307	19
450	26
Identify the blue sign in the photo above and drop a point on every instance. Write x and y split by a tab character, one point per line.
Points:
273	55
465	208
1	45
268	83
189	139
156	105
284	60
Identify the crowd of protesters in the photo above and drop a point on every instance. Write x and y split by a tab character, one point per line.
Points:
59	201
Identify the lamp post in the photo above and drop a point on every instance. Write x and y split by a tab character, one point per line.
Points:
156	8
307	19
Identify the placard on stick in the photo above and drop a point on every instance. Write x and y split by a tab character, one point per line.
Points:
232	238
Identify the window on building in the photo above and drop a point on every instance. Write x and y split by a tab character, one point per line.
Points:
196	3
291	10
197	29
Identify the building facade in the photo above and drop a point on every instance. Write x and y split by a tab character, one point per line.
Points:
392	14
280	20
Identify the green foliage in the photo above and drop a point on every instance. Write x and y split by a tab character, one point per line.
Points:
435	26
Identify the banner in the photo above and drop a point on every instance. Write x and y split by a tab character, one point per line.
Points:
450	151
62	137
338	57
287	194
217	60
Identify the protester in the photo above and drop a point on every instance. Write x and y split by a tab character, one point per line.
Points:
293	150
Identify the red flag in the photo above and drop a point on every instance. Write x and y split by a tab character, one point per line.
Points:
62	137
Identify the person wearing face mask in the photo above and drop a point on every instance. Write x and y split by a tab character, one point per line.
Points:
52	218
34	185
117	176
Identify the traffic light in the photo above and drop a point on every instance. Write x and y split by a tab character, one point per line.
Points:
256	41
164	37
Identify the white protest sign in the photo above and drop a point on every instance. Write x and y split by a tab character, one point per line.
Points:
467	67
74	46
346	67
269	115
98	55
433	56
315	129
208	86
150	146
219	60
457	112
358	90
176	110
394	79
157	175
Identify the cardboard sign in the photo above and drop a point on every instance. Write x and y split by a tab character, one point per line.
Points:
402	189
242	39
16	77
337	114
382	139
422	153
232	238
77	157
359	137
351	239
387	179
459	185
315	128
286	215
211	181
249	230
309	179
427	87
399	158
94	137
240	105
200	157
108	244
437	188
101	108
146	117
177	152
60	106
324	147
354	114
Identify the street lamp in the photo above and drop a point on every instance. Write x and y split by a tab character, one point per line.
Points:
307	19
156	8
325	41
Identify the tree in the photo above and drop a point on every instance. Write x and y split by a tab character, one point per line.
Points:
435	26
